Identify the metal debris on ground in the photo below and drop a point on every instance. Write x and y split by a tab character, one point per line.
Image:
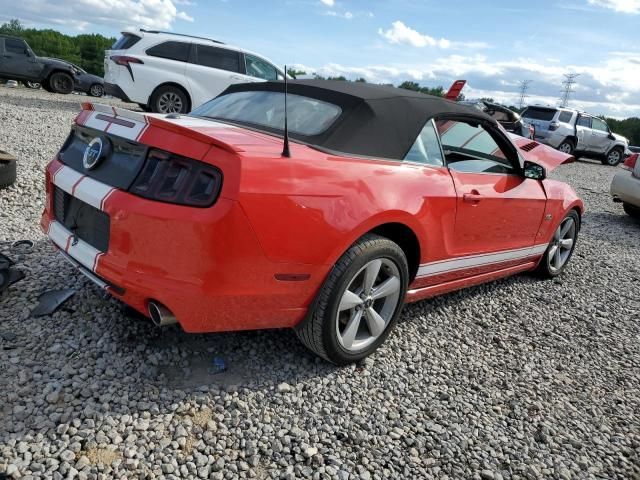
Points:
8	274
50	301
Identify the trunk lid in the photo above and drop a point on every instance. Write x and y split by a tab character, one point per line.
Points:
548	157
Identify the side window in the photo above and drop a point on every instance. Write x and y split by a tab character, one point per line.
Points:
584	122
256	67
17	47
218	58
471	148
598	124
565	117
426	148
171	50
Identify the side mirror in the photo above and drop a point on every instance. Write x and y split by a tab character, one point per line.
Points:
534	171
611	136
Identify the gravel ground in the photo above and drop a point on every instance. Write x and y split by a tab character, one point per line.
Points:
519	378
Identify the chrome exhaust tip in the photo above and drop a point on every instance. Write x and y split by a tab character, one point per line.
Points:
161	315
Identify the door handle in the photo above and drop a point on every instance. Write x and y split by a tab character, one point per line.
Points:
472	197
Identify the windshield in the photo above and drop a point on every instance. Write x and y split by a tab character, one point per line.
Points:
305	116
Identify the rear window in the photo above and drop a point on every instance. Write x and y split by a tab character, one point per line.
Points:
539	113
171	50
218	58
127	40
305	116
565	117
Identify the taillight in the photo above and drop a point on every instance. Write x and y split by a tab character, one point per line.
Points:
553	126
125	60
630	162
166	177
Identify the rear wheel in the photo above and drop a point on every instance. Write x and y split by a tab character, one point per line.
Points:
567	146
561	247
61	82
359	303
631	210
614	157
169	99
96	90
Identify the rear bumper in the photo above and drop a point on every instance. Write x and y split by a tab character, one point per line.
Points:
115	91
203	264
625	187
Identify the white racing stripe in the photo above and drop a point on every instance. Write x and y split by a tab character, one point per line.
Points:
100	120
471	261
82	252
58	234
84	188
66	178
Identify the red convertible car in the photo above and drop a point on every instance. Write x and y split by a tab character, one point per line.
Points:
384	196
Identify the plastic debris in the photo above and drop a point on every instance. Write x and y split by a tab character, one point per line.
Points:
50	301
22	246
217	366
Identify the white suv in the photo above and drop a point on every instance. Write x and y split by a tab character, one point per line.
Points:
168	73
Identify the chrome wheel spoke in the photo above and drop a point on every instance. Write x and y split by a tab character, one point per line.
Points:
348	301
552	251
566	227
375	322
350	331
386	288
566	243
370	275
557	259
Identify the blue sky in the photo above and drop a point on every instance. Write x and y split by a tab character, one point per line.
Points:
493	45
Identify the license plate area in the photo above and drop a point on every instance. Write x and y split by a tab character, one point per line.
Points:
85	221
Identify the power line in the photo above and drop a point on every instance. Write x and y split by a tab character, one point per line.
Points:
568	83
524	86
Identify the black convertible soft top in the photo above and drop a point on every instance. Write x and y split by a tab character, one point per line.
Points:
376	120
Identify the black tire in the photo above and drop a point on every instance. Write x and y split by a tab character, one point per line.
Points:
60	82
567	146
144	108
545	269
169	99
8	171
614	157
632	211
96	90
318	332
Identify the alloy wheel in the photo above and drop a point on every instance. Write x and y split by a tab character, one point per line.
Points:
565	147
97	90
170	102
562	244
61	83
614	157
368	304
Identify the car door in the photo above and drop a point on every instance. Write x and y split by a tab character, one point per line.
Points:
583	133
600	141
18	62
498	211
211	71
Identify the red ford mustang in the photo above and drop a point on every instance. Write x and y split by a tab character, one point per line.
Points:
388	196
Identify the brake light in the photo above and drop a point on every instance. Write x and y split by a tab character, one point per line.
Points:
166	177
630	162
553	126
125	60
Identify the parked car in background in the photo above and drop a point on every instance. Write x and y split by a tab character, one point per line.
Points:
625	186
577	133
383	196
84	82
168	72
634	149
510	120
18	62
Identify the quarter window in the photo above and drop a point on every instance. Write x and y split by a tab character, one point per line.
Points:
426	148
598	124
584	122
12	45
256	67
171	50
218	58
565	117
471	148
125	41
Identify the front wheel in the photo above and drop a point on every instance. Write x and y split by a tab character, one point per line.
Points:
614	157
359	303
561	247
96	90
61	82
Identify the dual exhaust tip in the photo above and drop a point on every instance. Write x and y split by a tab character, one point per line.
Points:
160	315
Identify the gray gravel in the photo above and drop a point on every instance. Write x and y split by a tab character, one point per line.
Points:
519	378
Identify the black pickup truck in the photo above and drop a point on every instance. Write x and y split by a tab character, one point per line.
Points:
18	62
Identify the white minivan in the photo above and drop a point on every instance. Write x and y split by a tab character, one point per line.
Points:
173	73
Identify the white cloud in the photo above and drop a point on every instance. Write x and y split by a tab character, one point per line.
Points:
160	14
333	13
399	33
328	3
622	6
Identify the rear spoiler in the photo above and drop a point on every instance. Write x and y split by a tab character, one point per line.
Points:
454	91
132	125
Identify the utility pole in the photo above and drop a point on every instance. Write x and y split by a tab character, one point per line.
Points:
524	86
568	83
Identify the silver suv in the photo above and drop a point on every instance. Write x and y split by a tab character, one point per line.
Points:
577	133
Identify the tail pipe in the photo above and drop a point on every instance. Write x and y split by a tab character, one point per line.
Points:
161	315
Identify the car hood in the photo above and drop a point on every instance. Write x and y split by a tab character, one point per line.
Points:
536	152
621	138
55	61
